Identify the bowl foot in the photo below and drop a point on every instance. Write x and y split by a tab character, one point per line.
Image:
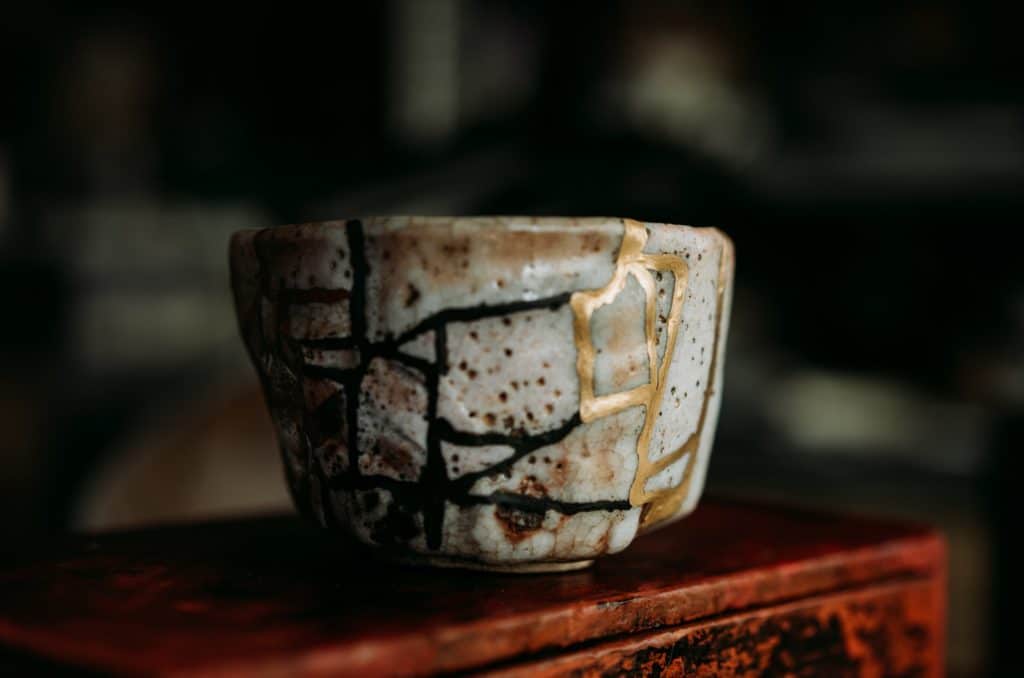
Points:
502	568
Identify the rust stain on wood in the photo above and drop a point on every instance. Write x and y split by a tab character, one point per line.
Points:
274	595
885	630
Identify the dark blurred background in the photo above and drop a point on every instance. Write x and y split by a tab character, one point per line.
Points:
867	160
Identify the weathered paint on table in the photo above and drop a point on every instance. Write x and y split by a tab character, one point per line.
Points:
736	588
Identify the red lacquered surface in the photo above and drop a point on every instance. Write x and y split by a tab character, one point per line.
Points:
274	596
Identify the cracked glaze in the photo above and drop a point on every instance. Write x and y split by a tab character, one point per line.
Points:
492	390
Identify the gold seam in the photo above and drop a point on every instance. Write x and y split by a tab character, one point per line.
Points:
668	501
631	261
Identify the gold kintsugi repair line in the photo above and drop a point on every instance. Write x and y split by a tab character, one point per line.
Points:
668	501
583	306
631	260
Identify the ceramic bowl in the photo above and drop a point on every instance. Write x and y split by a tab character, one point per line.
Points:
508	393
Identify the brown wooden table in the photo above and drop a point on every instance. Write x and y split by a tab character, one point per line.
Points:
736	588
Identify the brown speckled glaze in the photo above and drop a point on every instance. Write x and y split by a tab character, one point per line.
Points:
507	392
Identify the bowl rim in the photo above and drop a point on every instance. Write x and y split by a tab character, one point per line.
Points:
380	224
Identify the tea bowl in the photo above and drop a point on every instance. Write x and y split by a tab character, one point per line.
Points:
506	393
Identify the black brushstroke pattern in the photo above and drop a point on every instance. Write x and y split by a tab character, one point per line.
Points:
433	489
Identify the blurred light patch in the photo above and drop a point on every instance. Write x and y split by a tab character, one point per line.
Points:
425	76
677	88
212	456
831	414
151	281
885	148
499	61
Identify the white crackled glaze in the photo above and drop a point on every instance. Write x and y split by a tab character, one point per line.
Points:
462	459
489	389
